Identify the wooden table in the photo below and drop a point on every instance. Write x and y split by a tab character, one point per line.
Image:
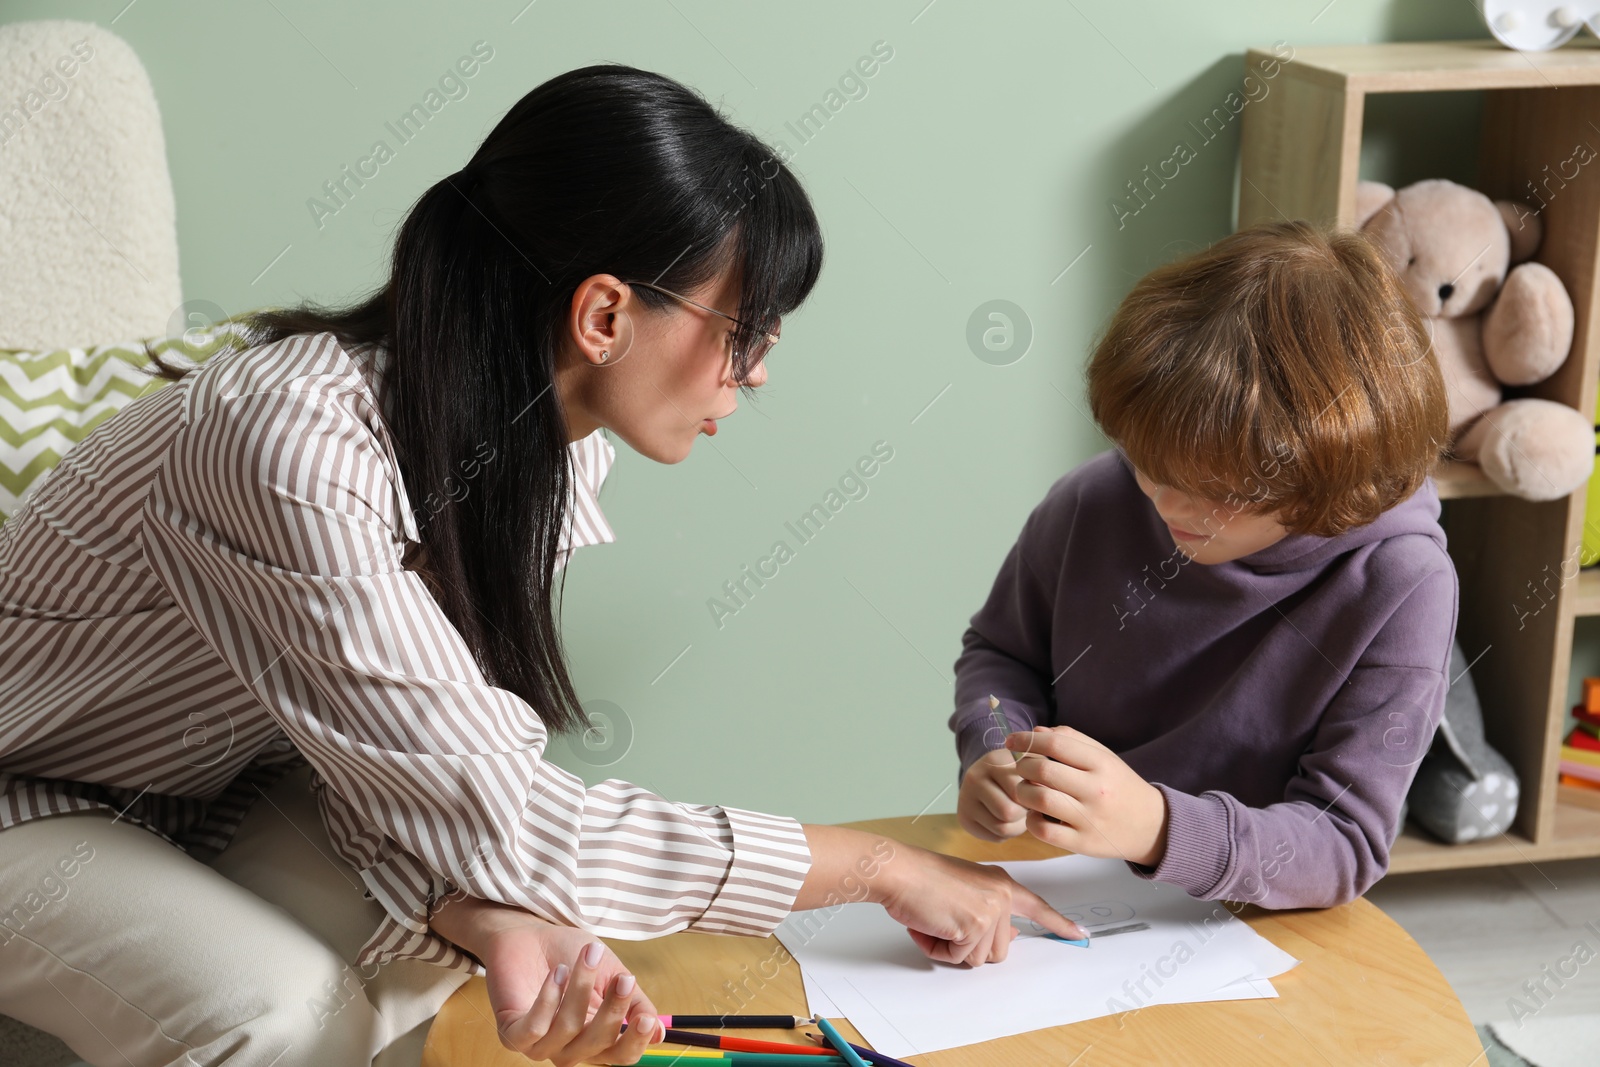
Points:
1364	992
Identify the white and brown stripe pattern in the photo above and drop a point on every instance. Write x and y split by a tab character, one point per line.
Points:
209	590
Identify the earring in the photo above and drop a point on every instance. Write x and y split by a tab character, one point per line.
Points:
603	356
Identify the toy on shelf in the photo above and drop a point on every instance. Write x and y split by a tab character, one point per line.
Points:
1492	324
1464	790
1538	25
1580	752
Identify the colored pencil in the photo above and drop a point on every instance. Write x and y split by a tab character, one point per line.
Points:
687	1054
728	1022
879	1059
1084	943
710	1057
742	1059
719	1055
739	1044
844	1048
1000	722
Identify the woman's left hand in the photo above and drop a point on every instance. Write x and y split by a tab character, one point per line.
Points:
1101	805
558	994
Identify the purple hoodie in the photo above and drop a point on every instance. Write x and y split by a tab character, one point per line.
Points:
1280	702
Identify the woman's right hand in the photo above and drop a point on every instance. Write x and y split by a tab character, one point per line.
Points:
960	912
988	808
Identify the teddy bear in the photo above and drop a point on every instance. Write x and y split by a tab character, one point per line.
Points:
1496	319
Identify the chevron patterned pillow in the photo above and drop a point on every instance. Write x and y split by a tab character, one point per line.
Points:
49	401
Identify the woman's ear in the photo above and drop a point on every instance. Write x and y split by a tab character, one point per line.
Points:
601	321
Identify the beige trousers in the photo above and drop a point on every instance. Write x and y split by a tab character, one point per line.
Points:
137	954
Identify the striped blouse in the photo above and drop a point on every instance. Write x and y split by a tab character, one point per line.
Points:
209	591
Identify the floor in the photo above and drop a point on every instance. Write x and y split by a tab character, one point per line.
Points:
1490	930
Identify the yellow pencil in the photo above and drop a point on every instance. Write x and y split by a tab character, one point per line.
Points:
706	1053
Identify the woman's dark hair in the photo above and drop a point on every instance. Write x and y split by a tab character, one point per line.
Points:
605	169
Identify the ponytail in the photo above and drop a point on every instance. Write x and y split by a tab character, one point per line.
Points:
606	169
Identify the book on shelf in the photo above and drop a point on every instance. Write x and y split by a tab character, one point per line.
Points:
1586	771
1583	740
1580	755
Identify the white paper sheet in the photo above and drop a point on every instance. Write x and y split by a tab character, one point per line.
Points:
859	964
819	1003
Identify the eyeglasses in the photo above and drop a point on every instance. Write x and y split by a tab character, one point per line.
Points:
764	340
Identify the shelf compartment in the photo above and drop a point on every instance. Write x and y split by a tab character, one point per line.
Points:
1456	480
1300	153
1577	835
1432	66
1586	601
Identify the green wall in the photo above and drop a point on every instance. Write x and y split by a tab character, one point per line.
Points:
984	157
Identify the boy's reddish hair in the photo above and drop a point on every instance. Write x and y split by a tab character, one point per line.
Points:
1283	367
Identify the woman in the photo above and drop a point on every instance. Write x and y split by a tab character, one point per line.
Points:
340	543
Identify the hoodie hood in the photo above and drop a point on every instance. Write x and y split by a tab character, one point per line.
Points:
1417	514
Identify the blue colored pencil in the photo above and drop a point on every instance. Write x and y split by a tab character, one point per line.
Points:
843	1047
878	1059
1067	940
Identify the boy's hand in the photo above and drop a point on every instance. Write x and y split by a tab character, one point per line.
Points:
1100	805
988	808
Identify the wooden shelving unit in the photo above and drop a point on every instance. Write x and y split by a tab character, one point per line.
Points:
1300	153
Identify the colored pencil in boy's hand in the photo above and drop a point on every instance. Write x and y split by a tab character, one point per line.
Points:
1016	757
1000	721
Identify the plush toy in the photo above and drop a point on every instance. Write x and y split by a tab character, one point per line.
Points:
1538	25
1492	324
1464	790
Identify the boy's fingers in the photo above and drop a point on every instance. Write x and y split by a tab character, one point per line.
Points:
973	826
1052	785
1061	743
1002	807
1062	777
